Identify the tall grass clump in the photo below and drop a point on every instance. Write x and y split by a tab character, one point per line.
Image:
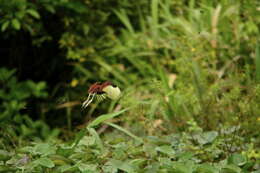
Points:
194	63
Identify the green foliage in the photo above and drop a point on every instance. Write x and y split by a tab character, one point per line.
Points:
188	71
18	14
14	97
197	48
170	153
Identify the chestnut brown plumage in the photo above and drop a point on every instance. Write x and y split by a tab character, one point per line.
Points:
98	87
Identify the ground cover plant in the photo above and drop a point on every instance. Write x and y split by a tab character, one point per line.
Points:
188	71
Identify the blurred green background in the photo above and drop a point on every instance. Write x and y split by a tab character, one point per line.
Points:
182	65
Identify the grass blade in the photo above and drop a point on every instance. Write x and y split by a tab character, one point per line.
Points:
105	117
112	70
197	80
154	7
122	15
125	131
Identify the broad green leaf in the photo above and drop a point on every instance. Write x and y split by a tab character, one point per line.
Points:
166	149
46	162
87	141
149	149
230	169
6	169
165	163
124	166
65	151
27	149
88	168
6	74
33	13
237	159
248	165
152	168
68	168
107	168
50	8
44	149
97	138
206	168
138	162
120	151
19	14
76	6
4	155
181	168
206	137
16	24
5	25
210	136
60	160
185	155
258	171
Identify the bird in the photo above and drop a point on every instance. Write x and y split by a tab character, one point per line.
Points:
102	91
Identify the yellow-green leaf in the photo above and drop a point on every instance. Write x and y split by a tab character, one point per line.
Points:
33	13
16	24
5	25
46	162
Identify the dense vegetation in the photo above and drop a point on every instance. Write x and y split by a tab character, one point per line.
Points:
189	72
